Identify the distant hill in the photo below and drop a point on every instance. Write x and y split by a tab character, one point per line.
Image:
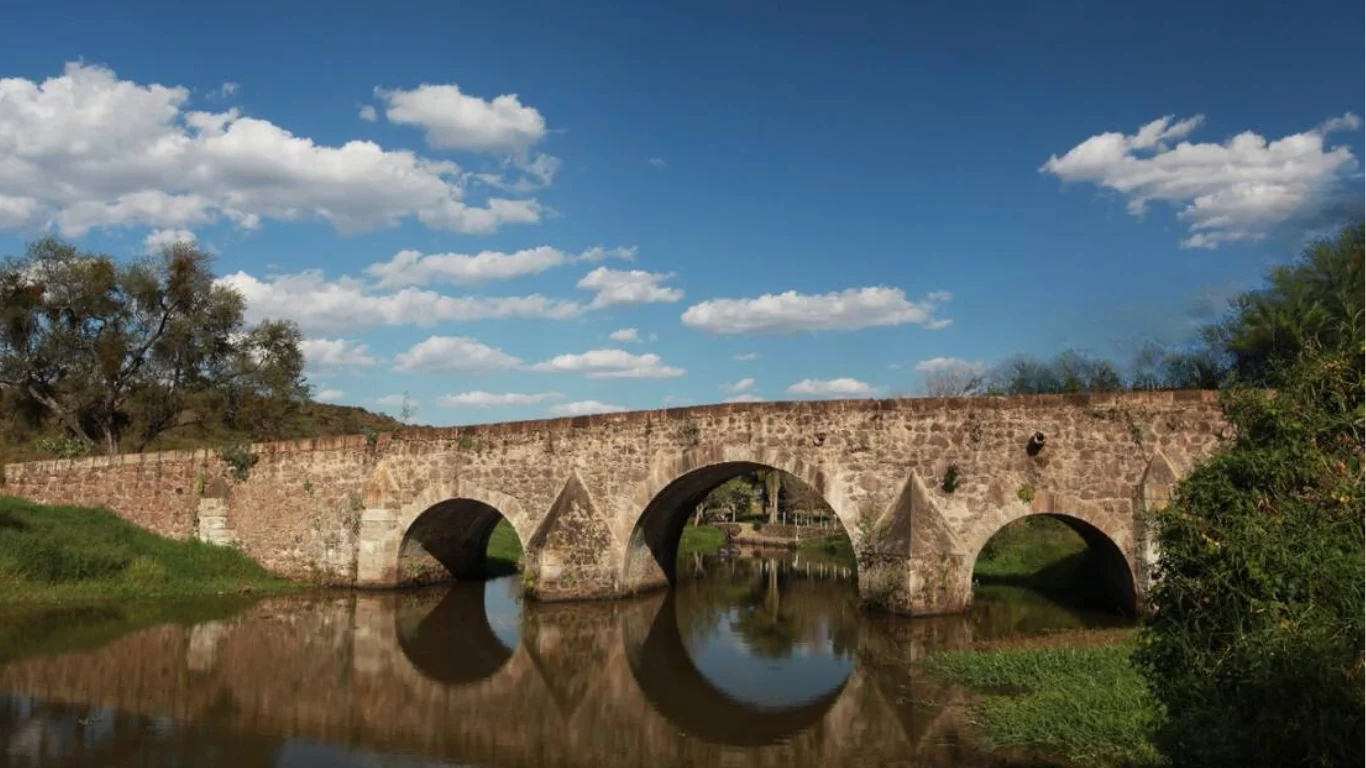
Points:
30	439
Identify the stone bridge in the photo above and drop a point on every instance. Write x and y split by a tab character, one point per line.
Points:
600	502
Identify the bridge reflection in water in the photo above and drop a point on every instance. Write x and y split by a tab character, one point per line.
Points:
759	664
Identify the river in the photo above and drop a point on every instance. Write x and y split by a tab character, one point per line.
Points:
761	661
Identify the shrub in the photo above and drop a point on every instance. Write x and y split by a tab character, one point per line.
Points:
63	446
1254	646
951	479
239	458
757	525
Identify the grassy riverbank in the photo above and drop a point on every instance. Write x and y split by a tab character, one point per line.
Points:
1070	704
701	540
504	553
1037	552
58	553
836	549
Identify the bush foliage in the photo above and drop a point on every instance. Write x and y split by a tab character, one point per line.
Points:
1255	643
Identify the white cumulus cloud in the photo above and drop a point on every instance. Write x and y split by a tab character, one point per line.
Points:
368	114
86	149
610	364
395	401
452	119
943	364
1225	192
743	385
164	238
329	395
584	408
624	287
480	399
457	354
408	268
335	354
625	335
789	312
746	357
842	387
321	306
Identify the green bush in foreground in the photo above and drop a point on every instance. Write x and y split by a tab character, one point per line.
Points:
60	553
1255	646
1088	706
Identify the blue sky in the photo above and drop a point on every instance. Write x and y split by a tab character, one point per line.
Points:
841	192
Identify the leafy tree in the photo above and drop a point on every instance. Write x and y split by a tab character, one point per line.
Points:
107	349
1254	646
1316	300
736	494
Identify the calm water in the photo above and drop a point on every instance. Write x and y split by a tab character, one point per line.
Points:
748	663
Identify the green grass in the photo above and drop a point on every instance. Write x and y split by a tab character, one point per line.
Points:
58	554
1027	548
701	539
504	553
835	549
1085	706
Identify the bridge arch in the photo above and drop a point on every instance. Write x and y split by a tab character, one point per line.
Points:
1110	550
677	483
445	533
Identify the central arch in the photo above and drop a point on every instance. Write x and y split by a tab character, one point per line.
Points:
677	486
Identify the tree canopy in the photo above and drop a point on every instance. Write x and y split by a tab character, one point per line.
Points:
120	353
1315	301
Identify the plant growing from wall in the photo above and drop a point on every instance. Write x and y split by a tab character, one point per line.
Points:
239	458
974	428
690	433
1026	494
951	479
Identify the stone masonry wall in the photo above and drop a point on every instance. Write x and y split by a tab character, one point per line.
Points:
337	509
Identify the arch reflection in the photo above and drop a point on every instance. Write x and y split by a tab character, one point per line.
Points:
448	636
671	680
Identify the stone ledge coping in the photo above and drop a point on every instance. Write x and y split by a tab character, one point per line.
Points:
437	434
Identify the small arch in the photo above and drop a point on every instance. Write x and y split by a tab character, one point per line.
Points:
1112	582
673	492
446	541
